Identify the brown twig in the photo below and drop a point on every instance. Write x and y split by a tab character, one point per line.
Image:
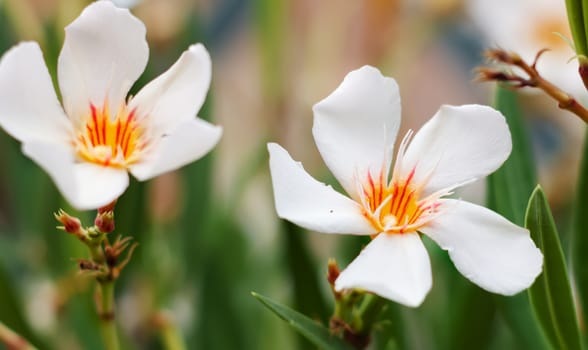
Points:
533	79
12	340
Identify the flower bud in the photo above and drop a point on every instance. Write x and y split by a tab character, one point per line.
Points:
105	221
70	224
332	271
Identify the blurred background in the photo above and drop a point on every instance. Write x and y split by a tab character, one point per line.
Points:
208	233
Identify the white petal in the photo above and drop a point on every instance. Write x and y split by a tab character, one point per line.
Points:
176	95
458	144
103	54
126	3
486	248
190	141
393	266
29	109
84	185
355	127
311	204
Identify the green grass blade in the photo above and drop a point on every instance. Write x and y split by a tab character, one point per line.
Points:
576	19
508	190
301	265
11	310
313	331
579	236
551	294
510	186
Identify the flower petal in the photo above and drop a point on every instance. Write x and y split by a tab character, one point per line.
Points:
29	109
84	185
311	204
457	145
176	95
355	127
393	266
103	54
487	249
191	140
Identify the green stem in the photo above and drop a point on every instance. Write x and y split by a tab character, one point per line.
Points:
96	253
12	340
107	316
368	313
171	337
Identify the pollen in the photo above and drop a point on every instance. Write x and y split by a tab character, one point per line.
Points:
111	141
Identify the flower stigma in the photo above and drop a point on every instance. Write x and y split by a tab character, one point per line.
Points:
116	142
397	207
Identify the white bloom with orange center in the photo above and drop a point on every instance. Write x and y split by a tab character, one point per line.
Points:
88	146
528	26
355	129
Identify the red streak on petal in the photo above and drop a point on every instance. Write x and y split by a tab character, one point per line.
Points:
373	188
103	128
95	134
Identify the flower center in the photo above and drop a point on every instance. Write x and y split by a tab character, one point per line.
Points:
396	207
107	141
544	32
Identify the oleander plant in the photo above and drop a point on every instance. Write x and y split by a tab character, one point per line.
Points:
156	187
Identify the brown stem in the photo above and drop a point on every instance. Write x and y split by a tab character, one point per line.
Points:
12	340
565	100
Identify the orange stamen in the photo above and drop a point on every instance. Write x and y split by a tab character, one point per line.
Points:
107	141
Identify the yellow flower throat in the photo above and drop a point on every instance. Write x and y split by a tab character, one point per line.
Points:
107	141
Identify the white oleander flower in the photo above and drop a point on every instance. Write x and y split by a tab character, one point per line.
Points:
355	129
88	146
528	26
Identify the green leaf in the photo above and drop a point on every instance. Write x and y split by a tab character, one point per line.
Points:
510	186
472	330
306	284
508	191
579	236
577	19
551	294
313	331
11	310
271	16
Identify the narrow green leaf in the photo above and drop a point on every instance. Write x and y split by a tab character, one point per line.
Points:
472	330
271	16
551	294
307	291
313	331
508	191
579	236
510	186
577	19
11	310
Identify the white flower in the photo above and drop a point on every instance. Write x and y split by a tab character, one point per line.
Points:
126	3
88	149
528	26
355	129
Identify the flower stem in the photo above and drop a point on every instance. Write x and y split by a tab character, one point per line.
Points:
106	314
534	79
369	312
12	340
170	334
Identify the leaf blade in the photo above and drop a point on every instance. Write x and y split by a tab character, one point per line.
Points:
508	192
579	238
314	332
551	294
